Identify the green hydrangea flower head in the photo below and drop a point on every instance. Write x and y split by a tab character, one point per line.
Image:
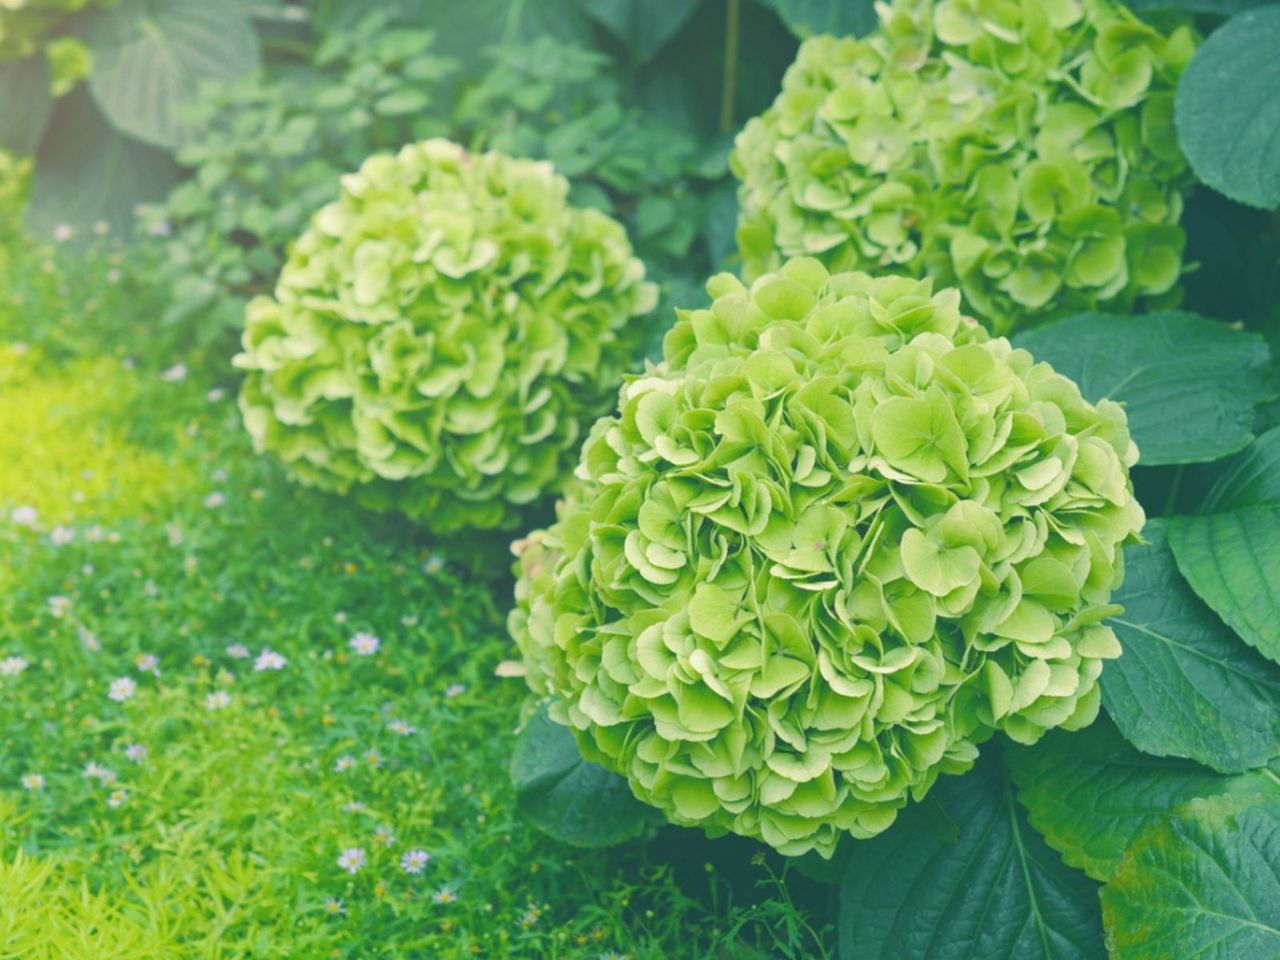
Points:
1022	150
833	542
24	24
442	335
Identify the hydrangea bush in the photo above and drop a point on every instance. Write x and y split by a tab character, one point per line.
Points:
834	541
1023	150
442	335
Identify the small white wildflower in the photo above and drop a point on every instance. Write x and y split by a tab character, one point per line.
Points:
384	836
268	659
136	752
175	374
414	861
373	759
24	516
114	275
455	690
402	728
365	644
87	570
354	806
409	620
445	895
12	666
88	639
340	617
434	564
160	228
239	651
148	663
118	798
122	689
217	700
334	907
150	589
344	763
63	232
96	771
352	860
215	500
216	395
175	535
59	606
32	782
101	228
95	534
60	536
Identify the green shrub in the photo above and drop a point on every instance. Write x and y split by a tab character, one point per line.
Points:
1022	151
836	540
441	336
24	25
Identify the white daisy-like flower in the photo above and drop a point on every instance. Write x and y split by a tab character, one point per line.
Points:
32	782
95	534
218	700
24	516
365	644
353	806
215	500
409	620
60	536
239	651
216	395
445	895
384	836
455	690
402	728
63	232
352	860
12	666
59	606
414	861
334	907
175	374
88	639
136	752
96	771
147	663
122	689
268	659
434	564
118	798
344	763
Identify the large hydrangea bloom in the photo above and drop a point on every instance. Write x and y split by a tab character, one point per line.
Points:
1022	150
442	336
25	23
834	541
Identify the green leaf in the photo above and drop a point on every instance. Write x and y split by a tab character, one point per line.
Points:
990	889
642	26
1227	109
1201	884
1090	793
1185	685
1251	479
1189	384
805	18
86	172
1232	560
571	799
1221	8
150	57
25	103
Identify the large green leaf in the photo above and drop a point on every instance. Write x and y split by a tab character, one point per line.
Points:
990	889
642	26
1221	8
805	18
25	103
1232	560
88	173
1189	384
1227	109
577	802
1185	685
1090	793
1251	479
1203	884
151	56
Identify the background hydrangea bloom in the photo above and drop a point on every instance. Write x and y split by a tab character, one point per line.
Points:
834	541
1022	150
442	335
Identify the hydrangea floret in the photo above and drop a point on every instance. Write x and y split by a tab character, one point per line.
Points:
442	336
833	542
1022	150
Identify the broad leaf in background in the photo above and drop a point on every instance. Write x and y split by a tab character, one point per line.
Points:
1189	384
642	26
1090	793
1202	883
25	103
150	56
1221	8
993	890
87	173
806	18
1249	479
1186	686
1232	560
573	800
1227	110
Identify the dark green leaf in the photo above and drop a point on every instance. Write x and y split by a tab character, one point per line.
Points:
805	18
993	889
1251	479
1189	384
642	26
1185	685
1222	8
1201	884
25	103
1090	793
87	173
577	802
150	56
1232	560
1227	109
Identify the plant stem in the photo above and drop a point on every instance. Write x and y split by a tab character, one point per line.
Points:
729	83
1171	502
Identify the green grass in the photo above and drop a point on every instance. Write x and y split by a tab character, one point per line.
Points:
160	535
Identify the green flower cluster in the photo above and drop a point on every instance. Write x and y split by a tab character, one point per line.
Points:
25	23
833	542
1022	150
442	335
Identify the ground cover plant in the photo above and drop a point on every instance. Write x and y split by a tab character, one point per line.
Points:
778	479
